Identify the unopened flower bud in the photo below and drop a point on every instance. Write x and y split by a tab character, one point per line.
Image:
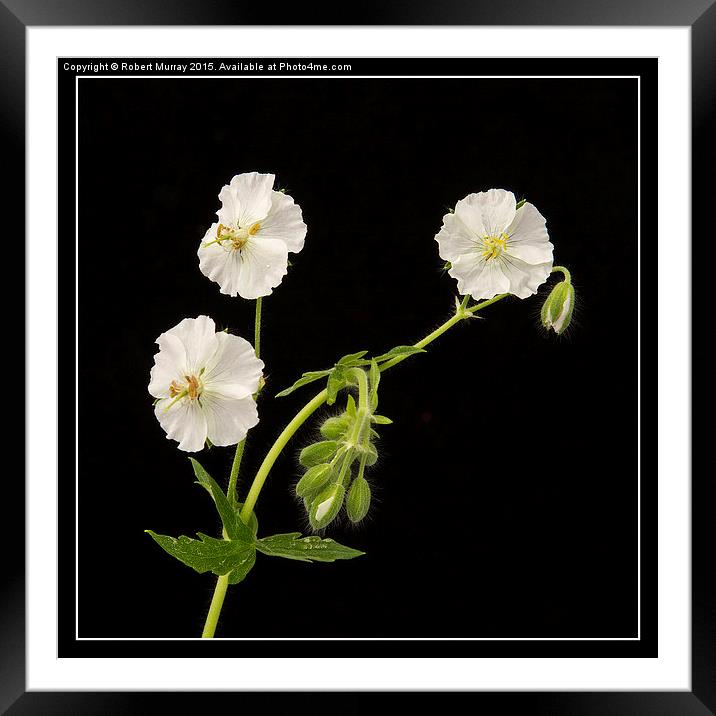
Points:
326	506
557	309
335	428
317	453
358	502
371	454
314	479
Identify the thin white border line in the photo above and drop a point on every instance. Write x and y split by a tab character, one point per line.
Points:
357	77
304	76
638	356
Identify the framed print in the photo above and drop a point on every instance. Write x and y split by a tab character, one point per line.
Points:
369	363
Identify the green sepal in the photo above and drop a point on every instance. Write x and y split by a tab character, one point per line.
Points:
317	453
351	406
305	549
399	351
381	420
208	554
305	379
520	204
235	528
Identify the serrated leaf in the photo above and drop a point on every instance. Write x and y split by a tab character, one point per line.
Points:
208	554
399	351
305	549
235	528
305	379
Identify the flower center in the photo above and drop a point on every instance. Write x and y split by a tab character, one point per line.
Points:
493	246
237	235
190	389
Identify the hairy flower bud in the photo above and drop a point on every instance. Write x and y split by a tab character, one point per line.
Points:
358	502
326	506
317	453
335	428
314	479
557	309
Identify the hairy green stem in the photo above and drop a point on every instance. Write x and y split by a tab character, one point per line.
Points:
565	272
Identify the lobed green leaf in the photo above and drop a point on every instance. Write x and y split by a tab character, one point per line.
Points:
305	549
208	554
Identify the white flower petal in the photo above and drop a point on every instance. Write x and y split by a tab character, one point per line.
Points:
219	263
228	420
284	222
479	277
169	365
524	278
199	338
246	199
264	262
487	213
529	239
456	239
184	421
234	370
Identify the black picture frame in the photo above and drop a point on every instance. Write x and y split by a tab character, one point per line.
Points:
700	15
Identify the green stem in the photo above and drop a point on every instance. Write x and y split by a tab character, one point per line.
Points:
217	601
281	441
234	476
565	272
257	328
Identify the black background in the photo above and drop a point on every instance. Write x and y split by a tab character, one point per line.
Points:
506	496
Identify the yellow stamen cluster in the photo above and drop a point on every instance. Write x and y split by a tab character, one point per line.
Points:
191	389
493	246
238	237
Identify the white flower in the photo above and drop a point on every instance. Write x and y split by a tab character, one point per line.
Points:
204	382
495	248
246	252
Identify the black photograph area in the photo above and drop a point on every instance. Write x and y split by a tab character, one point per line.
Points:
506	496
